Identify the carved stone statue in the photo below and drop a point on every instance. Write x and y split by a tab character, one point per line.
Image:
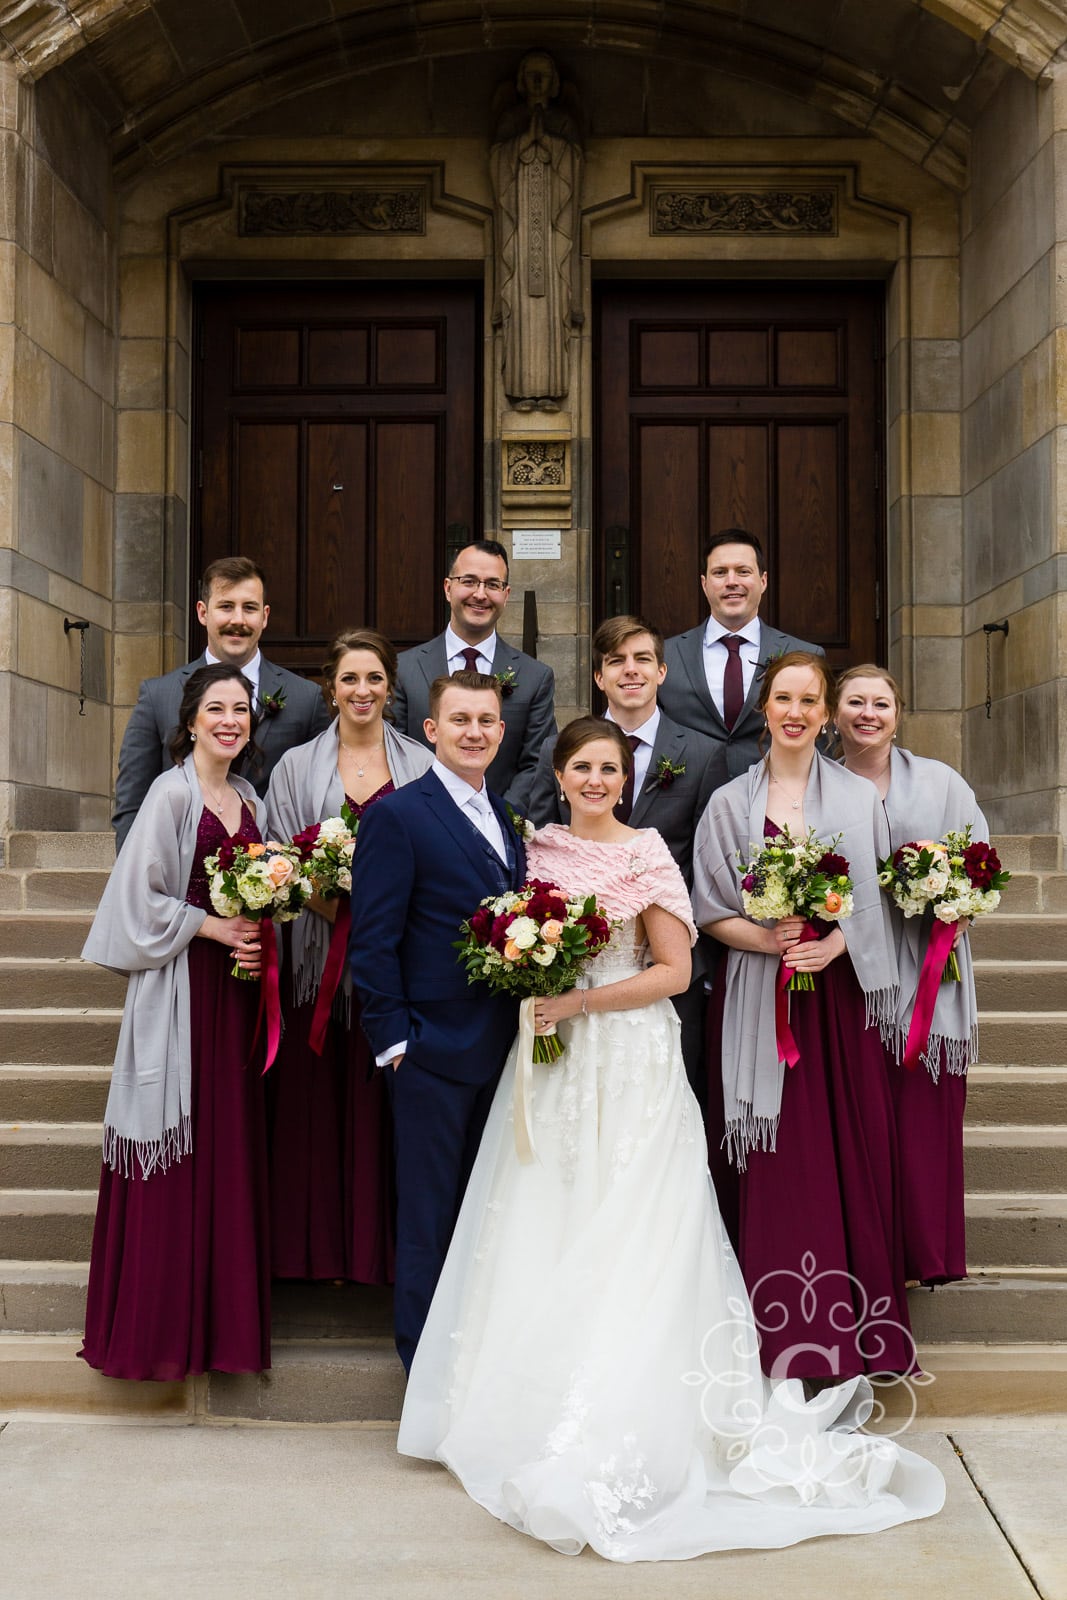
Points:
536	164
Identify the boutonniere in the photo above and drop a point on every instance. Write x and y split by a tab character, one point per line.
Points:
761	666
271	704
666	772
522	825
507	681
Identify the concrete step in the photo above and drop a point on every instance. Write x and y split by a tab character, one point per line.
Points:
30	984
1021	986
1024	852
351	1381
28	848
38	1091
1031	1039
50	1155
47	1224
60	1036
999	1158
51	889
1006	1094
994	1308
43	936
1009	937
1035	892
1016	1230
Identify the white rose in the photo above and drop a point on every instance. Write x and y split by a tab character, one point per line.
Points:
344	880
544	955
223	903
332	831
524	932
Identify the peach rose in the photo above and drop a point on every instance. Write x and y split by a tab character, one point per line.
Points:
551	930
280	871
512	951
520	907
255	850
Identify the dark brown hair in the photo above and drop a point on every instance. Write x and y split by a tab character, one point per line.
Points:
582	731
229	570
733	536
462	680
358	639
197	687
613	634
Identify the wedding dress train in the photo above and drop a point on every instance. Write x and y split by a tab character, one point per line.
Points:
590	1368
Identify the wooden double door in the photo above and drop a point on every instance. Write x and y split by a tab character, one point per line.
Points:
753	407
338	444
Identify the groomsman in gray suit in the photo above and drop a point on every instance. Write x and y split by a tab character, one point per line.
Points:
477	591
674	773
712	681
234	611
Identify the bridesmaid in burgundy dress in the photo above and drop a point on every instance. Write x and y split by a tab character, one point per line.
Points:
179	1281
331	1168
819	1233
922	799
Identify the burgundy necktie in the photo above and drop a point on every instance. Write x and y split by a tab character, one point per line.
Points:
470	660
626	800
733	682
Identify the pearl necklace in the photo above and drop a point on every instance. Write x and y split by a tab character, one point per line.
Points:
212	801
367	760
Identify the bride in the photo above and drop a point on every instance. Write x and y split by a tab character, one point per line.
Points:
590	1369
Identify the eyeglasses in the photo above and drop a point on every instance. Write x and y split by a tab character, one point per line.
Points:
471	585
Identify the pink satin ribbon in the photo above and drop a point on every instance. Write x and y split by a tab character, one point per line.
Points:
331	975
269	999
787	1045
941	937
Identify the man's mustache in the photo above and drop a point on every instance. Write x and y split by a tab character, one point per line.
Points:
238	631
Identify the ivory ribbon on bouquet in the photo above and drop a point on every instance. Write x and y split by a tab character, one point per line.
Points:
522	1095
937	951
331	974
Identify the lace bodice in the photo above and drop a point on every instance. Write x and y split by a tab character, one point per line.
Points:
626	878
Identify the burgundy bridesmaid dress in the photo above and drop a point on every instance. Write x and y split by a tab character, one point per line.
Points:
179	1280
819	1225
332	1200
929	1119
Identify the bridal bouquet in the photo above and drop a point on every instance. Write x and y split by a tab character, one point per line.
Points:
951	876
326	849
790	877
258	880
533	941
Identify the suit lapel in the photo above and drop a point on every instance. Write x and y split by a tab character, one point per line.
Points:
669	741
465	834
691	651
771	644
433	661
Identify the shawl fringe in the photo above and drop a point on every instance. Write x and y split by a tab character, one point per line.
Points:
957	1054
151	1155
748	1132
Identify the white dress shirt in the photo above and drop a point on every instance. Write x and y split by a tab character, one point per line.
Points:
251	671
646	735
716	656
455	646
476	806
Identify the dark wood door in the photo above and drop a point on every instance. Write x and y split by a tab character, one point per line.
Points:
760	408
338	446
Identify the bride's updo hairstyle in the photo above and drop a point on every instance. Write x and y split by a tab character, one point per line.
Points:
582	731
358	639
796	658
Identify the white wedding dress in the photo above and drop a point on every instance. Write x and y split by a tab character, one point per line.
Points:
590	1369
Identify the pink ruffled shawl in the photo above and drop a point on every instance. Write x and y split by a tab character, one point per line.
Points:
626	878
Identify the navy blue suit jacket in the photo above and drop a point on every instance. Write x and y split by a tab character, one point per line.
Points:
419	870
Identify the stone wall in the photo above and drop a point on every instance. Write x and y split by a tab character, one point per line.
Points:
1013	385
56	457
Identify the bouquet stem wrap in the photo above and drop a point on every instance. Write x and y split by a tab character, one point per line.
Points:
331	975
937	952
269	999
787	1045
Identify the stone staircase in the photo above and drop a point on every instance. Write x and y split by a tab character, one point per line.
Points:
997	1343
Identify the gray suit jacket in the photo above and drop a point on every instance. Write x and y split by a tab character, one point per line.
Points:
155	716
529	711
673	809
685	696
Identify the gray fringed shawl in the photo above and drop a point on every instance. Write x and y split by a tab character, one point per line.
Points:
927	798
835	803
305	787
142	929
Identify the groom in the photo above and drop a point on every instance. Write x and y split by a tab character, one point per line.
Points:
425	857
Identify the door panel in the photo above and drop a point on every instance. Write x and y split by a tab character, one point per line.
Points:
760	408
337	428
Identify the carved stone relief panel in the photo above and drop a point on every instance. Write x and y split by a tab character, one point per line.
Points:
708	210
332	211
536	480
